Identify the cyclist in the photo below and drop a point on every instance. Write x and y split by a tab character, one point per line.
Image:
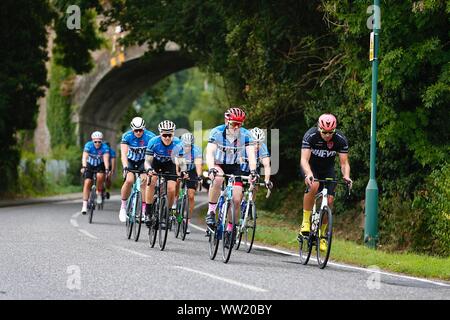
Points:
158	158
189	158
112	168
319	148
95	158
226	145
132	147
262	157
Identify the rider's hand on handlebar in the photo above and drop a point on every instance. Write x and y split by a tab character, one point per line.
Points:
124	172
268	184
83	170
254	175
150	171
212	173
348	181
309	180
184	175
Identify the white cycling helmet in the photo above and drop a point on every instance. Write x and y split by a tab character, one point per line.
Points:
258	134
97	135
187	139
166	125
137	123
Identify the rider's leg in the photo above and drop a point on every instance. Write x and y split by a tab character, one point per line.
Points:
143	189
237	198
214	190
86	189
191	196
171	187
126	188
100	181
308	204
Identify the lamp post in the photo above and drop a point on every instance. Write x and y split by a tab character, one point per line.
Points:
371	203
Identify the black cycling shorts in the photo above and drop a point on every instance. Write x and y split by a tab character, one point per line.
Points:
192	183
322	174
136	165
234	169
89	174
165	167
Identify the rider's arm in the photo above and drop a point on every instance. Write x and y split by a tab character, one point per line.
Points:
210	152
345	165
251	153
84	158
180	163
148	162
266	163
304	162
198	166
113	165
106	161
124	154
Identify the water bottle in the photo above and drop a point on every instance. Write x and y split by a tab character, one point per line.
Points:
243	207
220	204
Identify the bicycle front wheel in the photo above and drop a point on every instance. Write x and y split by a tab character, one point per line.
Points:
250	227
163	223
185	217
153	229
229	232
325	235
175	225
138	216
129	223
92	200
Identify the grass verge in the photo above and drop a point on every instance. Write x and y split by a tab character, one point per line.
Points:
275	231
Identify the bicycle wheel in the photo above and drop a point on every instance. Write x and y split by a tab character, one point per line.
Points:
214	239
185	217
163	223
92	199
325	238
153	229
250	227
138	216
175	225
229	236
130	220
240	228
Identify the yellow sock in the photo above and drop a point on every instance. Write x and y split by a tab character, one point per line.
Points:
323	229
306	216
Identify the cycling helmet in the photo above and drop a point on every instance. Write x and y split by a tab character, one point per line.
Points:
187	138
166	125
137	123
327	122
257	134
235	114
97	135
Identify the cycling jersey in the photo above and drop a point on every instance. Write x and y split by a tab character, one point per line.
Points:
159	151
262	153
195	153
229	149
137	146
323	153
95	157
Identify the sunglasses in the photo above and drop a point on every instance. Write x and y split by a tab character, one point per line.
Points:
139	130
166	135
235	124
97	142
327	132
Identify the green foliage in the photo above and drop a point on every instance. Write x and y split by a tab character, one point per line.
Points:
59	110
22	76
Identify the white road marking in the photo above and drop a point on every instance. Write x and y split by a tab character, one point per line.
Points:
235	283
132	251
87	234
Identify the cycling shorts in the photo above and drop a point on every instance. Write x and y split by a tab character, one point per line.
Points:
89	173
322	174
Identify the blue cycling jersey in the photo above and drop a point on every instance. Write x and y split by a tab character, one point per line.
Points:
262	153
160	151
190	156
95	157
137	146
229	148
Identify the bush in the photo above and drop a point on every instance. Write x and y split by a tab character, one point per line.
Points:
32	178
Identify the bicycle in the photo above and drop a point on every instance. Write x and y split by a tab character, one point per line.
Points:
221	231
321	213
247	224
134	217
181	214
159	216
92	200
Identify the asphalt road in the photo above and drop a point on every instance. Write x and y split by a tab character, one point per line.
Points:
50	251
